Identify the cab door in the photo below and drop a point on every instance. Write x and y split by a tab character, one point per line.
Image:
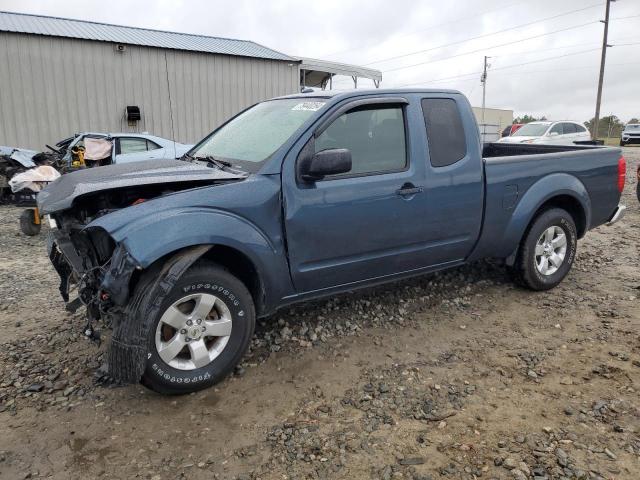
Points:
367	223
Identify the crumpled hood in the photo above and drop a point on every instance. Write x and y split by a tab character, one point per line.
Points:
60	194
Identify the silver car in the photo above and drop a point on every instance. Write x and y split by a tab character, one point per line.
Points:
130	147
553	133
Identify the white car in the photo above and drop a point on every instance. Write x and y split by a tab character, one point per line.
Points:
552	133
129	147
630	134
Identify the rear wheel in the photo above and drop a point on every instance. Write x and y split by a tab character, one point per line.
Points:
200	332
547	250
28	224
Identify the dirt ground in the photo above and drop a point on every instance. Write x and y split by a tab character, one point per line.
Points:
458	375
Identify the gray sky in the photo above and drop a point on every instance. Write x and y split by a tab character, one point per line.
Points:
521	77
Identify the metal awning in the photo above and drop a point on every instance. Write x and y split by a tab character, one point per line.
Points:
319	73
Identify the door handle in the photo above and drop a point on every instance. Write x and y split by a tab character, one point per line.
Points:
408	189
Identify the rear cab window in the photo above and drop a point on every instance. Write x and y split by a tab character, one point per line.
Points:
445	133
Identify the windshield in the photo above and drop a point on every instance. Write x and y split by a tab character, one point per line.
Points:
254	135
531	130
633	127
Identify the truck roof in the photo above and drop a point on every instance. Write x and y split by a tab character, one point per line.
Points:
373	91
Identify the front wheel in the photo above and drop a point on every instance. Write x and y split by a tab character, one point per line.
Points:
547	250
200	332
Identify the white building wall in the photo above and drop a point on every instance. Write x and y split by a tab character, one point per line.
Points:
494	116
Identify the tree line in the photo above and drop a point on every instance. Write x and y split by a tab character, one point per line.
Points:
609	126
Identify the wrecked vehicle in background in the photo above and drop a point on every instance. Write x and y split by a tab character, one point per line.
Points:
14	161
304	197
100	149
86	149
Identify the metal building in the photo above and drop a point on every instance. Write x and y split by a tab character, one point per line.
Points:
61	76
495	120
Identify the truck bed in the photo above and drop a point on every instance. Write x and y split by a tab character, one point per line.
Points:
517	178
492	150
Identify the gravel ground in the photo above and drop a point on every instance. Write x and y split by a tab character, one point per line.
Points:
458	375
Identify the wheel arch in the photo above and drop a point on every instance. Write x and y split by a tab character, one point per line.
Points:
568	203
554	191
235	261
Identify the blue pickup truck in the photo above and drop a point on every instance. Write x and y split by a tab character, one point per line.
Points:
307	196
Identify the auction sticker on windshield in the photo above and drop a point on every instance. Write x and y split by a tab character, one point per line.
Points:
308	106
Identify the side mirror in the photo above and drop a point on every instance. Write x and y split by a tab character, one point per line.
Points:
554	134
327	162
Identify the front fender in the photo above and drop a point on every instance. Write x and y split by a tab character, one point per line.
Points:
557	184
149	236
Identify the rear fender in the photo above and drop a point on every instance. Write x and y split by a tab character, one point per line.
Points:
545	189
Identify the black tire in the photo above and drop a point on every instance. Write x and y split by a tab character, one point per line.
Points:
622	144
202	278
526	266
28	226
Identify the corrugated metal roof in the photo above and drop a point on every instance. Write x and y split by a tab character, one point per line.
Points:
65	27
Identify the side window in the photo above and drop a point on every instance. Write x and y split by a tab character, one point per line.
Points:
557	128
374	135
152	145
445	133
132	145
580	128
569	128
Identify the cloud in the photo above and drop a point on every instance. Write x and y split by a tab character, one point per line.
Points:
364	32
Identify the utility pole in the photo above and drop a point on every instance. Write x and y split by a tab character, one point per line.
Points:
483	81
605	45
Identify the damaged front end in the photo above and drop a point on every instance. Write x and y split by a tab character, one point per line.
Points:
103	284
94	270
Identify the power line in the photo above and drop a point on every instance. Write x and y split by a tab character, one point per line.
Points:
624	18
545	59
432	27
512	66
489	48
550	70
484	35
